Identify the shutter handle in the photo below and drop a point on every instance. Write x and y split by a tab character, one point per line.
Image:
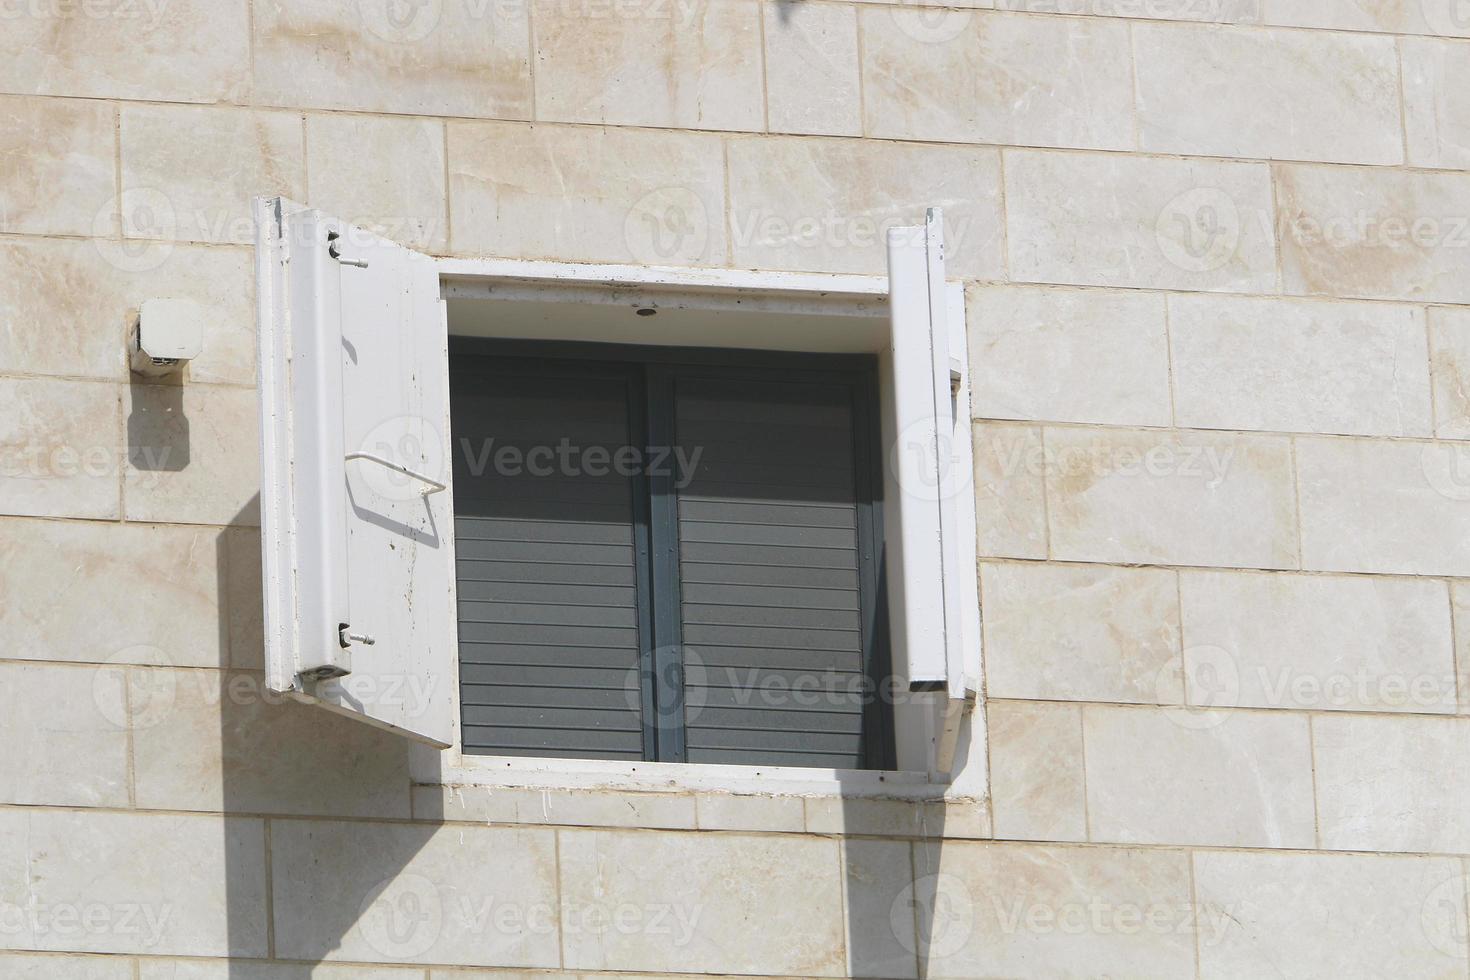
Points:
434	485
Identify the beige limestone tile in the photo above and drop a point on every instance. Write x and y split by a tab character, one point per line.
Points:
437	59
58	166
880	925
687	903
63	743
811	59
1299	366
238	970
1113	220
1081	633
694	64
825	205
968	819
1220	778
586	194
1036	782
1393	784
477	894
1437	101
1318	642
68	307
1330	915
196	168
21	966
1447	18
193	455
726	811
591	808
1331	97
391	182
59	310
205	740
59	452
162	884
873	817
966	77
1175	498
97	592
1374	233
1449	365
183	51
1379	506
1068	355
1207	11
1023	910
1010	496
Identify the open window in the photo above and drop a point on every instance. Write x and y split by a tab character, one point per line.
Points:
771	477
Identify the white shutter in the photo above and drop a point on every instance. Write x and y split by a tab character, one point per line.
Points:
356	508
932	461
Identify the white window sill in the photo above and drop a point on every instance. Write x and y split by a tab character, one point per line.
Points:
451	768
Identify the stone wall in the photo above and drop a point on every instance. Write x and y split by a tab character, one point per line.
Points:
1218	255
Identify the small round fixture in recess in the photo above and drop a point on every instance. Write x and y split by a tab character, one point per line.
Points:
646	311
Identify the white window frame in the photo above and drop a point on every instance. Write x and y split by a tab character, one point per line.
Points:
776	292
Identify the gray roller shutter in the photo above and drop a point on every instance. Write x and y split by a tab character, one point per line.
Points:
770	556
547	564
717	604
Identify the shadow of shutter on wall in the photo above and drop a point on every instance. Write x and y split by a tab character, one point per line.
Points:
769	568
548	597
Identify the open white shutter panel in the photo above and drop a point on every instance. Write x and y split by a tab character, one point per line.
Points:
356	508
926	378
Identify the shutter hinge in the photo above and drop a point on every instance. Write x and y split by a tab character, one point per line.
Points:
332	239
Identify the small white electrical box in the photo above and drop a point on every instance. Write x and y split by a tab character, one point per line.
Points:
170	332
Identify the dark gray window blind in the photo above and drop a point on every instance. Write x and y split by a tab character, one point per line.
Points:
547	564
718	601
769	573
